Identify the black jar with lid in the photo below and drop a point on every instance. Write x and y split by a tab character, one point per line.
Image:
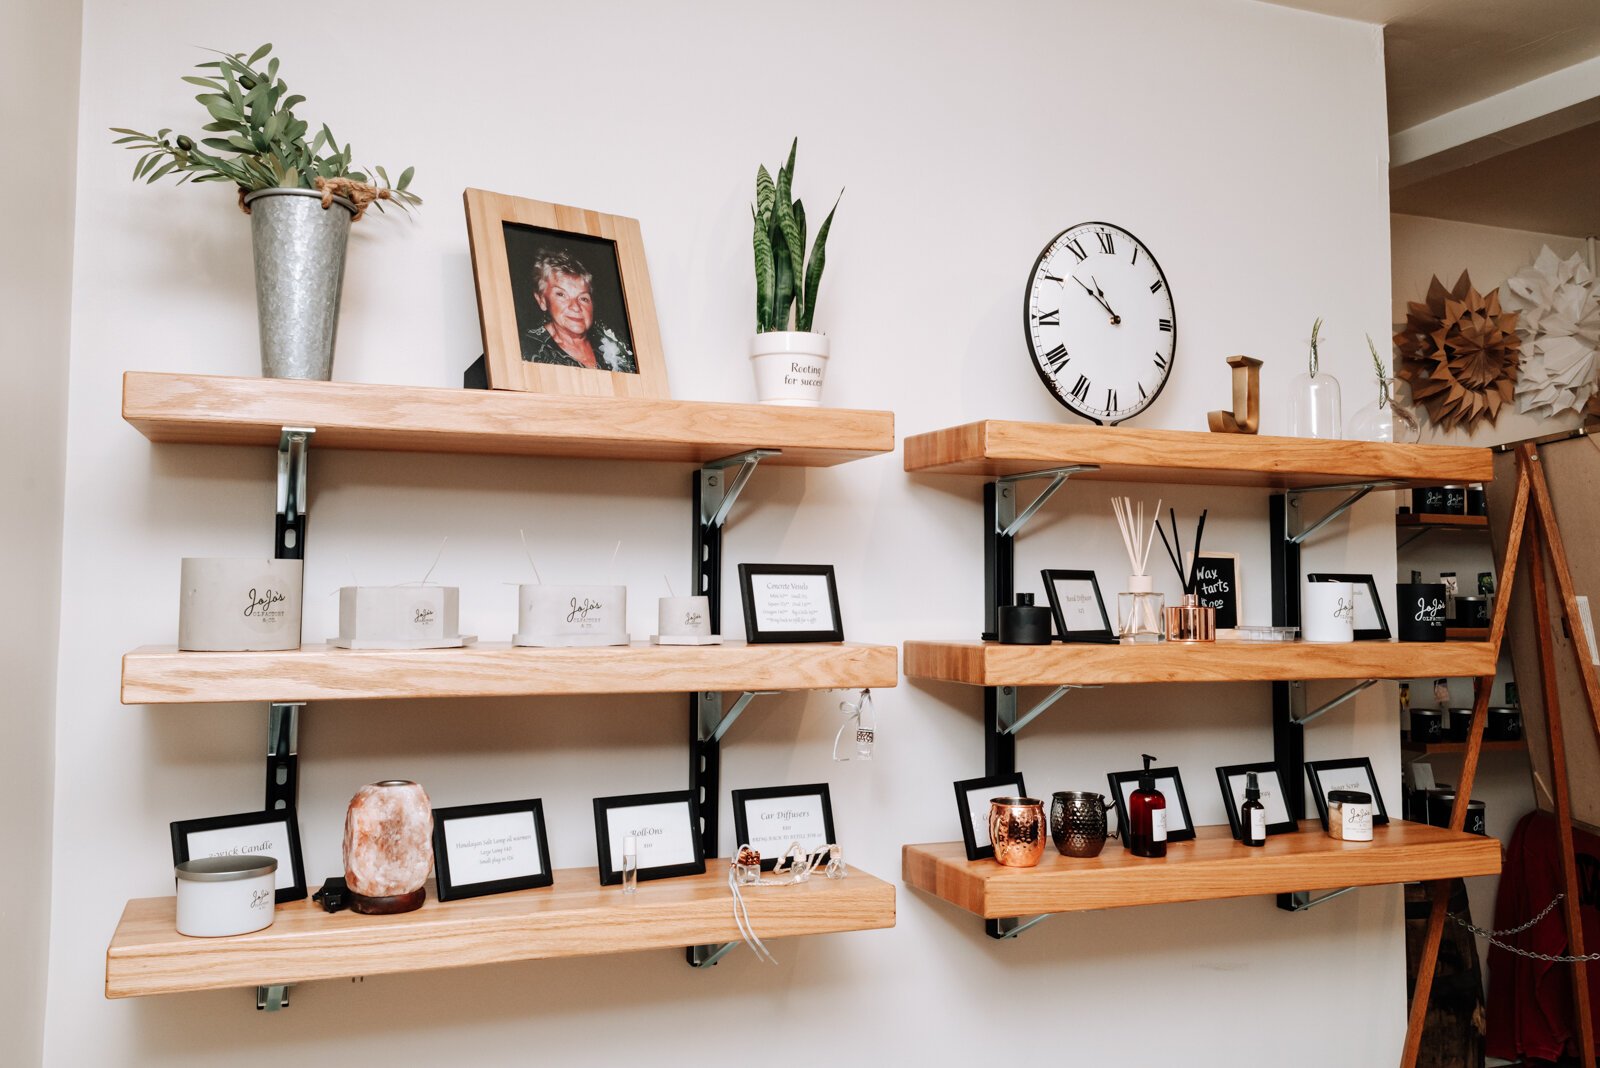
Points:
1024	623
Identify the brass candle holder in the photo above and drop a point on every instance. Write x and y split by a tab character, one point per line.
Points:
1191	621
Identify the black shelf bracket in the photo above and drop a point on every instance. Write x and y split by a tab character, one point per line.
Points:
1012	926
283	756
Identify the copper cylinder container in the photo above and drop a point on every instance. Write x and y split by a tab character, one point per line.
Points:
1017	829
1191	621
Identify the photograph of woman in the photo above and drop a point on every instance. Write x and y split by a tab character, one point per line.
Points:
568	320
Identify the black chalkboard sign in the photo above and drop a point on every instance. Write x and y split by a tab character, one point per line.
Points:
1217	583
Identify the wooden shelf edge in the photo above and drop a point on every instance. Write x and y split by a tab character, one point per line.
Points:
573	918
1443	522
1431	748
221	410
1212	867
155	675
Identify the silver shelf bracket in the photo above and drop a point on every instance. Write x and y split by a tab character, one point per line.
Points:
714	722
1012	926
1008	722
1302	901
1335	703
1360	490
718	490
272	998
1006	487
706	956
294	443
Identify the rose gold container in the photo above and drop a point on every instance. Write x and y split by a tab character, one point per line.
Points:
1017	829
1191	621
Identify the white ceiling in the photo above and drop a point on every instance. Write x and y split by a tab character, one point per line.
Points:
1442	54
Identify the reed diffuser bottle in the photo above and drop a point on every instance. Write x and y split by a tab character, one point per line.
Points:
1139	606
1190	621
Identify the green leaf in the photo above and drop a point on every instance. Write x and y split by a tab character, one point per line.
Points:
204	83
765	194
785	216
125	140
405	178
784	279
290	102
221	108
161	172
218	144
122	130
765	282
819	257
272	70
259	54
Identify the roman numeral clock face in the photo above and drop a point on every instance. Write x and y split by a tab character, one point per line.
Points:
1100	322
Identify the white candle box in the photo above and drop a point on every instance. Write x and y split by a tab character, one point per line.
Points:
239	604
400	617
564	616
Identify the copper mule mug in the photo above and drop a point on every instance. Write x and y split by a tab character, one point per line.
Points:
1078	823
1016	827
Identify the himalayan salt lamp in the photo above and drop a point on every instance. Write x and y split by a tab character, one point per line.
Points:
387	847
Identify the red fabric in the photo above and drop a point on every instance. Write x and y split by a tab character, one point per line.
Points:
1530	1001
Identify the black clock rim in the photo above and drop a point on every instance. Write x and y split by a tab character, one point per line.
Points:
1027	325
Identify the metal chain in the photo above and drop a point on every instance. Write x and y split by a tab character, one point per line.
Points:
1495	941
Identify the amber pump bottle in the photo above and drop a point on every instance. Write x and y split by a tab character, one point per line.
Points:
1147	817
1252	814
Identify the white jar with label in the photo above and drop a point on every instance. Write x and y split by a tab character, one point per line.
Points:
226	895
1350	815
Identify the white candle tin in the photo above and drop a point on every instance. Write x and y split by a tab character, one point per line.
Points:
562	616
239	605
1328	612
225	895
685	621
400	617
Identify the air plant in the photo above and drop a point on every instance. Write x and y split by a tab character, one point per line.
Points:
1385	396
1316	331
784	278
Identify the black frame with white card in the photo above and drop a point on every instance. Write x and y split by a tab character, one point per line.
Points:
1266	778
1317	769
1118	779
756	634
182	829
449	889
993	786
823	816
1065	632
1381	631
604	807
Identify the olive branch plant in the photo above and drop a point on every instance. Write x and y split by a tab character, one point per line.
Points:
259	142
784	278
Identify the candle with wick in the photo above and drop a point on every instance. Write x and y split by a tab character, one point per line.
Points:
684	620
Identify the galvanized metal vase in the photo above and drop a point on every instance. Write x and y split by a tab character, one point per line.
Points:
299	254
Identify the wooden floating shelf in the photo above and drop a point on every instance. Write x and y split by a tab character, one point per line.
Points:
992	664
1466	634
1431	748
1212	866
1443	522
215	410
576	917
998	447
155	675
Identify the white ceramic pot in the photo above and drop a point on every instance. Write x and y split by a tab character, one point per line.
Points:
790	366
558	616
684	621
1328	612
239	605
220	896
399	617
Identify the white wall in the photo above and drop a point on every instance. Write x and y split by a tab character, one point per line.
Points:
966	140
39	43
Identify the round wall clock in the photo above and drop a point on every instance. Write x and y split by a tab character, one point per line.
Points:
1100	322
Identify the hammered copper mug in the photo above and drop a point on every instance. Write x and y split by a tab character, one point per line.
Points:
1016	827
1078	823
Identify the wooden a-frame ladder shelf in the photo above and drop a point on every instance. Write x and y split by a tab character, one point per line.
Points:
727	442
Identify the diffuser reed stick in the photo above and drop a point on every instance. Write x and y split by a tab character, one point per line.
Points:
1175	549
1130	520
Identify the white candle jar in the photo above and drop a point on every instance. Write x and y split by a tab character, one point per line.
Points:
561	616
1328	612
220	896
684	621
1350	815
239	605
400	617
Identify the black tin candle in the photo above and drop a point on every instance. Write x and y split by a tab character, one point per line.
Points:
1422	611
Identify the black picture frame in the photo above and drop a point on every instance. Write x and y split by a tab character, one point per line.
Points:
996	786
1319	772
1103	634
606	807
1174	784
1266	773
741	817
1381	631
184	849
756	634
446	883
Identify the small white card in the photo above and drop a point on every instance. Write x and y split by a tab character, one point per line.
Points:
664	834
791	603
483	849
271	839
773	823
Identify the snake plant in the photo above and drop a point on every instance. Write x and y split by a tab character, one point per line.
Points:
784	278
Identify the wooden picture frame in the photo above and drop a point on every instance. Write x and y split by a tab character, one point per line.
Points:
515	240
1351	773
807	819
470	841
971	793
1231	780
1089	622
1366	596
1169	782
673	817
770	615
247	832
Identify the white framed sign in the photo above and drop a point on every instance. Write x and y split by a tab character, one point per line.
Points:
274	833
972	802
490	849
665	828
790	603
773	818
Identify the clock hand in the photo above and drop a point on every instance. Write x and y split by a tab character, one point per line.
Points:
1101	297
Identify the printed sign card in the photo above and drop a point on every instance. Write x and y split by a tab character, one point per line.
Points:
771	819
790	603
490	849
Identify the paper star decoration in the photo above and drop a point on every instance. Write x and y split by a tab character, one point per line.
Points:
1459	353
1560	328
